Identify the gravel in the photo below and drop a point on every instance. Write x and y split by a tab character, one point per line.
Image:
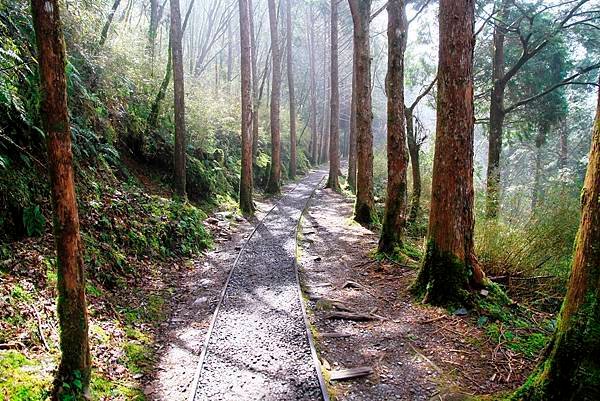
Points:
259	349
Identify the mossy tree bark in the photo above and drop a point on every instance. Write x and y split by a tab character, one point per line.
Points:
274	185
414	150
75	360
334	119
291	90
394	219
571	367
179	100
365	202
246	204
255	84
449	268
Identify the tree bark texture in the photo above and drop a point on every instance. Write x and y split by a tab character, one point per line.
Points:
291	90
275	173
394	219
179	100
334	123
571	367
75	362
449	268
246	204
364	207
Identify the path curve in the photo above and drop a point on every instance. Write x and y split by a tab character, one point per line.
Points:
258	347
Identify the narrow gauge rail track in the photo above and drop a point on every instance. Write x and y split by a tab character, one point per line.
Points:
258	345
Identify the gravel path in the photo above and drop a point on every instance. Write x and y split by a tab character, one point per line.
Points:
258	349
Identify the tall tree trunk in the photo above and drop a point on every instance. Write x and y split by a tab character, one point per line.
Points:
109	19
414	152
563	145
291	90
450	268
394	220
255	82
152	29
540	140
75	360
275	173
179	101
229	56
497	115
246	204
334	127
364	207
571	367
352	139
313	91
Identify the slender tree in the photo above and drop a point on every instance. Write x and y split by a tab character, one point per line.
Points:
334	117
314	148
179	100
275	173
361	16
394	220
450	268
255	84
571	366
75	363
109	19
291	90
352	136
246	204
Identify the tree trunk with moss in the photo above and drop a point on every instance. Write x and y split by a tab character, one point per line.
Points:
274	185
75	362
449	268
571	367
414	152
365	201
246	204
394	219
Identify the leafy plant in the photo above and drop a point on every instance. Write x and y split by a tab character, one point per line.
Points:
34	221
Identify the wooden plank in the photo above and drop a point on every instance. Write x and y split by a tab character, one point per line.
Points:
335	335
345	374
358	317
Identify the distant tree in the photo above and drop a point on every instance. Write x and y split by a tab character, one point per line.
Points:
394	219
529	27
352	136
571	365
246	204
255	84
450	268
365	201
314	147
179	100
334	128
109	19
75	362
291	90
274	185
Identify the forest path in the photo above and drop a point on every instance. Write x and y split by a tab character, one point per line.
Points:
257	347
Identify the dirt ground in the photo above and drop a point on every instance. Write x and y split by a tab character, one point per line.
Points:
416	352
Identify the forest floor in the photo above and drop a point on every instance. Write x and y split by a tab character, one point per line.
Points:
416	352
